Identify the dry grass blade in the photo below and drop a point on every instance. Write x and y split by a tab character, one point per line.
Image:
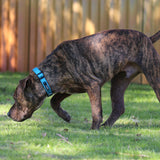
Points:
64	139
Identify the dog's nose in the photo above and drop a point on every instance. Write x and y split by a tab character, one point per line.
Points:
8	114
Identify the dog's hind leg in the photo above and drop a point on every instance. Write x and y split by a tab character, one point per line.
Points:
154	81
55	103
119	84
151	68
153	78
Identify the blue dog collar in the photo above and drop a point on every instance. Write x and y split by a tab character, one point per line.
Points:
44	82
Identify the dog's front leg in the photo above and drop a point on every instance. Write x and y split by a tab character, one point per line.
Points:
94	93
55	103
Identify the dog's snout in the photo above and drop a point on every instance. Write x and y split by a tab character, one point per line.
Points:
8	114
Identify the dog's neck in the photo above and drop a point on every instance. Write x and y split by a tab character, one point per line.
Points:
39	89
43	81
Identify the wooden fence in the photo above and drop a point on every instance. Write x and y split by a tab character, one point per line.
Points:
31	29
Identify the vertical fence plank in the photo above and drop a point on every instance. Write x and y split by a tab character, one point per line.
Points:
67	20
86	21
95	15
124	14
135	14
58	22
23	35
147	17
0	32
114	14
76	20
104	14
50	28
4	35
33	35
41	43
12	36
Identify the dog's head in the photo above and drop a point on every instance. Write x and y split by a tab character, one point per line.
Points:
28	98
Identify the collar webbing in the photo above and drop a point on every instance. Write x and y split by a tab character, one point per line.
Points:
44	82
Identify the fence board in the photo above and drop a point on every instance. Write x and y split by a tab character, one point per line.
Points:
86	22
104	14
33	35
12	36
50	28
30	29
0	34
4	34
58	22
124	16
23	35
76	20
114	14
41	37
67	20
95	16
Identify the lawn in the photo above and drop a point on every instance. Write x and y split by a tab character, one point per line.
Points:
136	135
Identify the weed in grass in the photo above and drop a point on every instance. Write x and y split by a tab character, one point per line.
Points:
45	136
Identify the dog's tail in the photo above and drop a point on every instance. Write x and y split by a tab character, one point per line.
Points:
155	37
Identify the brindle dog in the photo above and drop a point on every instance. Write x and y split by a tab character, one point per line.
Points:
84	65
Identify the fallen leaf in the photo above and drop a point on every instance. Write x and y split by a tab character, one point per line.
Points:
138	135
29	156
66	130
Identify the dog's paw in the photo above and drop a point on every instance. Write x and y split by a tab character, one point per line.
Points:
64	115
67	117
106	124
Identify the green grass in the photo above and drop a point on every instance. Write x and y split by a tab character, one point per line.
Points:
136	135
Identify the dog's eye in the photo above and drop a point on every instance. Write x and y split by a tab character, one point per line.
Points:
14	98
19	106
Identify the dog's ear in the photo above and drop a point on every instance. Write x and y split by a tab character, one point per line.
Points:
25	83
27	87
